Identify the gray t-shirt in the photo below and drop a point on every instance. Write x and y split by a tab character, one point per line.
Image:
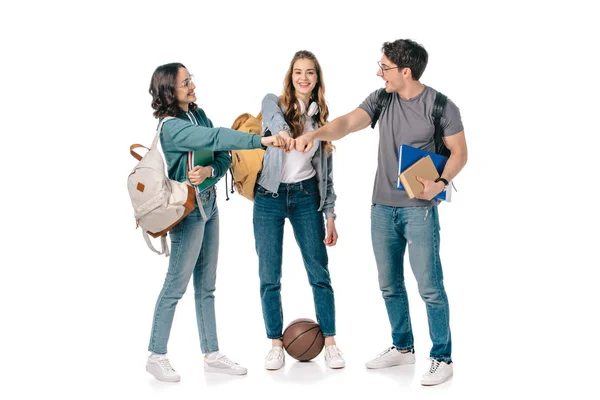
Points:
406	122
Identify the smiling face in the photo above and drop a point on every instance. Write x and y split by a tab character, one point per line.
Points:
304	78
184	89
394	77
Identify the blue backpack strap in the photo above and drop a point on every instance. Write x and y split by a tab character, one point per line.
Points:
438	109
383	98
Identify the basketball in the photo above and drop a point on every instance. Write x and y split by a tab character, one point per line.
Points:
303	339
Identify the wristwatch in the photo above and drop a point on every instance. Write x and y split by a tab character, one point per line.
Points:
440	179
330	215
212	174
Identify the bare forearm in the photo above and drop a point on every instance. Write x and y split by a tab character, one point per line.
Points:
334	130
454	165
341	126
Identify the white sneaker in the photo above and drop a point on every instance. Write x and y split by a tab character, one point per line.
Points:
217	362
439	372
333	357
391	357
275	359
159	366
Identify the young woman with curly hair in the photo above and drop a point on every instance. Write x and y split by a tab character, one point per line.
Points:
194	240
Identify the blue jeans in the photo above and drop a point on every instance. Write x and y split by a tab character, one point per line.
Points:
392	229
300	203
194	250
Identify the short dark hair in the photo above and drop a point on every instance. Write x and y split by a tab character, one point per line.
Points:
406	53
162	89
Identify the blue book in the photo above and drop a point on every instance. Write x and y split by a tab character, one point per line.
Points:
203	158
408	155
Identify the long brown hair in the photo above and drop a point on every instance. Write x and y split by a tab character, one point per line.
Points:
290	103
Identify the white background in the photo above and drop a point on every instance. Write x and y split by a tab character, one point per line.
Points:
519	239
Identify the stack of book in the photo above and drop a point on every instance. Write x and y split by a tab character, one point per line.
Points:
413	162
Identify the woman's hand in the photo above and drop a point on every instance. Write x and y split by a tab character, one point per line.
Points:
198	174
290	142
284	134
273	141
332	236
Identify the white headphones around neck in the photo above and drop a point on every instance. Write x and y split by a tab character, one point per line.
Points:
313	108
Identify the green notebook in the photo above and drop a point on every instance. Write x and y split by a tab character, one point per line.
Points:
203	158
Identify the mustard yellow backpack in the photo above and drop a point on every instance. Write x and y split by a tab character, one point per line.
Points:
246	164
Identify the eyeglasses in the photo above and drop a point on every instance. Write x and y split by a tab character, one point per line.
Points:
386	68
186	83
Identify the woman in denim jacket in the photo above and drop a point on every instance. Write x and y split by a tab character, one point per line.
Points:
297	186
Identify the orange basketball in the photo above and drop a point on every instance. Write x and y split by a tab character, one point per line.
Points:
303	339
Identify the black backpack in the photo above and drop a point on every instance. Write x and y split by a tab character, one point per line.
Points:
383	99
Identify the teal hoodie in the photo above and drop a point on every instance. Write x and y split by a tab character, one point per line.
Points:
181	135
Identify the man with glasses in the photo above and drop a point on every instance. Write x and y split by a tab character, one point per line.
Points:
397	221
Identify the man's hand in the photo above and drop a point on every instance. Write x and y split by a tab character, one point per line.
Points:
431	189
198	174
332	236
305	142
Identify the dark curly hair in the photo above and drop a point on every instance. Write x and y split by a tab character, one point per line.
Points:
406	53
162	89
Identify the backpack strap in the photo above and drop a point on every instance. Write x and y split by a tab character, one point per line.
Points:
200	205
133	153
154	142
164	247
160	125
227	194
438	109
383	99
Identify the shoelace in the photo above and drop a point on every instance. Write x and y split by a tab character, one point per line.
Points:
165	365
434	366
222	358
385	352
274	354
333	351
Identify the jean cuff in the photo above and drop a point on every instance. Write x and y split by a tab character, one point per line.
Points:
280	337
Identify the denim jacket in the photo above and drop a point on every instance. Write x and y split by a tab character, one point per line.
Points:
270	177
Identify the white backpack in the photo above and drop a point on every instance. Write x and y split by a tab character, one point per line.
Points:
159	203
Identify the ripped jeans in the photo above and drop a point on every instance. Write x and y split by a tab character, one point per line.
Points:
392	229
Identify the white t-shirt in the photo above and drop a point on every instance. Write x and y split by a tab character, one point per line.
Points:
297	166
